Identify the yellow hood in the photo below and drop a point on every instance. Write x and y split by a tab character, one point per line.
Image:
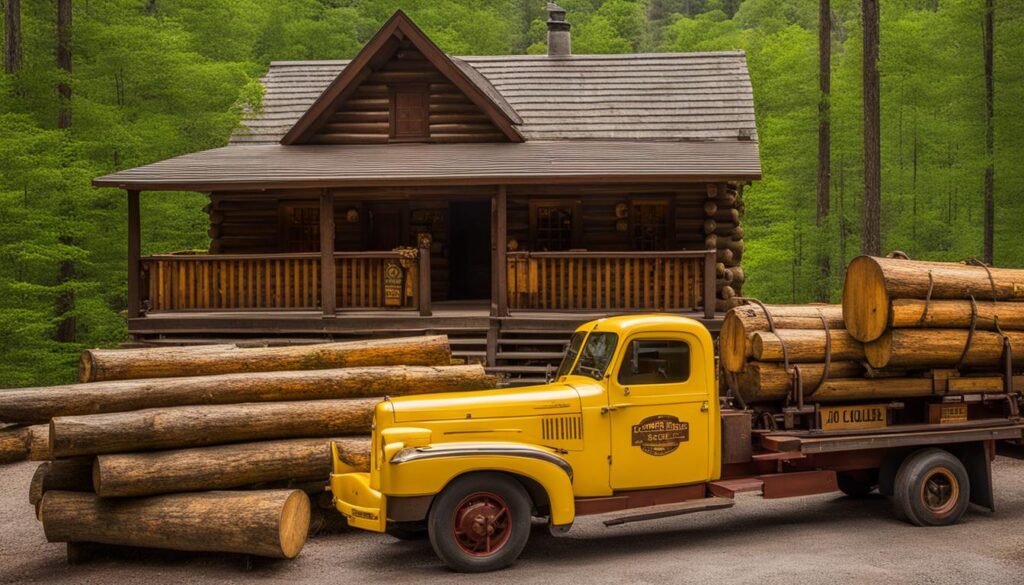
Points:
506	403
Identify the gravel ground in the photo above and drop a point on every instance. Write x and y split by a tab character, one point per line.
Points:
820	539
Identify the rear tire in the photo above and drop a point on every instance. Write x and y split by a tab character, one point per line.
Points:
480	522
931	489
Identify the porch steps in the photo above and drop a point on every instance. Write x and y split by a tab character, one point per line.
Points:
529	355
526	354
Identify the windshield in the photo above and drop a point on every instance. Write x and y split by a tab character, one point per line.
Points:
571	351
596	355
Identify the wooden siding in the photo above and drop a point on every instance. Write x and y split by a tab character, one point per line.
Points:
368	116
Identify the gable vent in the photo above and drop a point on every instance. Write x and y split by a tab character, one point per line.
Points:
562	428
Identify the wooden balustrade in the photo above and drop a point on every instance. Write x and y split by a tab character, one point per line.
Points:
364	280
609	280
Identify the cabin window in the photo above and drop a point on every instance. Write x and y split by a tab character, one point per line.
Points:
650	224
410	112
554	225
300	227
655	361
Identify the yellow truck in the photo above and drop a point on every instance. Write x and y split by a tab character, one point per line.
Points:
633	428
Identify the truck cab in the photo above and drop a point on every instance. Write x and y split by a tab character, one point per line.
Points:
633	406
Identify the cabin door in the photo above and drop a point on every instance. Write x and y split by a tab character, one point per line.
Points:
470	250
388	226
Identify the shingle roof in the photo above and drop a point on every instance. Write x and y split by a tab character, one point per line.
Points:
654	96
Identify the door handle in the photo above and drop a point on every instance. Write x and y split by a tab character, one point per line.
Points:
704	406
611	407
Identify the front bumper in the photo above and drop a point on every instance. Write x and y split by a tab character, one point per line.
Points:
362	506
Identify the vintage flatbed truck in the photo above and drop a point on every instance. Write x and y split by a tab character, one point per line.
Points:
632	428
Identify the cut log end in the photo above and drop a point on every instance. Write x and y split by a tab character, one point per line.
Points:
85	366
865	299
879	352
733	343
294	524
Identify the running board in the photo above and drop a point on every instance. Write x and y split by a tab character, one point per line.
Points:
668	510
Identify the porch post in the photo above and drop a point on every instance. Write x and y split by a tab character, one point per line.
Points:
709	284
423	274
134	254
500	268
328	286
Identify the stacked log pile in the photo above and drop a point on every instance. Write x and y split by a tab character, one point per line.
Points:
905	329
133	455
722	232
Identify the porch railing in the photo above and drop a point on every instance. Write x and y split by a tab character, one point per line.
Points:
579	280
363	280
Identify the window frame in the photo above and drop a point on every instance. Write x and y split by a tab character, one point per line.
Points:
666	200
626	358
575	207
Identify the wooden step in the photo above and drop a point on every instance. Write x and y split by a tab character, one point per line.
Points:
531	341
668	510
518	369
453	341
468	353
727	488
529	355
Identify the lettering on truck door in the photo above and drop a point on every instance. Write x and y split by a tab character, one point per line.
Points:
658	411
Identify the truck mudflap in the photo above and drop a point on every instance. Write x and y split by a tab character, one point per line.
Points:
362	506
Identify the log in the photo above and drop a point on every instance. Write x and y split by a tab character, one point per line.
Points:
724	255
738	276
956	314
769	382
939	348
271	523
727	214
14	443
223	467
720	269
841	390
741	322
74	475
726	292
711	241
873	283
804	346
710	208
39	443
195	426
172	362
42	404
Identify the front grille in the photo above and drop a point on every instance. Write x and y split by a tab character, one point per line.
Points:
562	428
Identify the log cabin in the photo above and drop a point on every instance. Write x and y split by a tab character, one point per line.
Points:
502	200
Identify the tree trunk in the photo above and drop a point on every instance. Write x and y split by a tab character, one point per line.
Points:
898	388
989	34
769	382
739	323
873	283
12	36
42	404
70	475
14	443
224	467
172	362
264	523
804	346
64	63
824	141
872	229
956	314
939	348
195	426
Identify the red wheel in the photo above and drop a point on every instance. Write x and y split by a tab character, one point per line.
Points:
482	523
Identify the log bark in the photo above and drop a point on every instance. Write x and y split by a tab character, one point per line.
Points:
872	284
939	348
843	390
224	467
14	443
42	404
264	523
804	346
956	314
742	321
73	475
172	362
195	426
39	443
770	382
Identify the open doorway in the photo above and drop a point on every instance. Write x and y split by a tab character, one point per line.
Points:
469	250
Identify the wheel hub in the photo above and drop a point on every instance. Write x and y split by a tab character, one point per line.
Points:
940	491
482	523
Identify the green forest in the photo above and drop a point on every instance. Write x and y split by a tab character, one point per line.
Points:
121	83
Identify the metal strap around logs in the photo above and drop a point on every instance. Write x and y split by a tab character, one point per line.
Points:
771	328
970	334
927	299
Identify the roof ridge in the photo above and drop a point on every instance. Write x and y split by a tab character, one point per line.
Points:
601	56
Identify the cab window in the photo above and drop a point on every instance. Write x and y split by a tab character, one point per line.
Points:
655	361
596	355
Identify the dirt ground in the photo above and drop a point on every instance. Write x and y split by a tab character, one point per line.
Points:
821	539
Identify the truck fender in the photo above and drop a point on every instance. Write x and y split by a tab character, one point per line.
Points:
428	469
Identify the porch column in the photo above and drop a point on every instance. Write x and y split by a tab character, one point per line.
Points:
499	267
709	284
328	287
134	254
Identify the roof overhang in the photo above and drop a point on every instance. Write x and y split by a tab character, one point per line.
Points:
275	166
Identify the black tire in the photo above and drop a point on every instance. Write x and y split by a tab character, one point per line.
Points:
475	502
857	484
931	489
407	530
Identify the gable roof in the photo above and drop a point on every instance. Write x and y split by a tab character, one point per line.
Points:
642	97
398	29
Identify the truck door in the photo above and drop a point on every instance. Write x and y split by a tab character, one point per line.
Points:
659	413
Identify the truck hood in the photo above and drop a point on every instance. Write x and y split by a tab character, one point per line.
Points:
541	400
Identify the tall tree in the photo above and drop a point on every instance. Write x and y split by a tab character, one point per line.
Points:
989	32
64	63
12	36
872	229
65	304
824	140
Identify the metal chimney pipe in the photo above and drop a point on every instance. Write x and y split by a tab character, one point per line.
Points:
559	38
